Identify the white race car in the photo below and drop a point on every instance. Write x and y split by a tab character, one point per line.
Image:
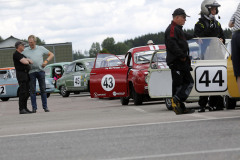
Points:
212	73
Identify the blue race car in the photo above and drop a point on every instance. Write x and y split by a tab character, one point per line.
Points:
9	84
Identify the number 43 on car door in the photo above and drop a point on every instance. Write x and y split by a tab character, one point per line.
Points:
108	77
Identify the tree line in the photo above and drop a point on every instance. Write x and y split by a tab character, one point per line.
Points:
110	46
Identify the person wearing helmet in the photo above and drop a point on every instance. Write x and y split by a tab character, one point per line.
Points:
235	43
208	26
178	61
150	42
57	74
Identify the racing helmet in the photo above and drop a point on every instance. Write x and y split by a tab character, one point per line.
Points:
57	70
206	6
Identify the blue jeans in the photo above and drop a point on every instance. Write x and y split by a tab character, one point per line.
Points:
40	76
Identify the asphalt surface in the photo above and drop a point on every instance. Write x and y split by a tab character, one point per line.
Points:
81	128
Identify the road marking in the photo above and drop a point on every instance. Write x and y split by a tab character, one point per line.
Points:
201	116
178	154
138	109
121	126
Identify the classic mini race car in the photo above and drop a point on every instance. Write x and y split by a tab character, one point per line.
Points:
123	79
76	77
212	73
9	84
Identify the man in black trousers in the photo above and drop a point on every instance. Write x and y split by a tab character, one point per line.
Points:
22	67
179	62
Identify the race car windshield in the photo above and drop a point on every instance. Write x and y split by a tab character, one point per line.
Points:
206	49
143	57
107	60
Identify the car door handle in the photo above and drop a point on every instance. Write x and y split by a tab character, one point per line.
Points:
93	73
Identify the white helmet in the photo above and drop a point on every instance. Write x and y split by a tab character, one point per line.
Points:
207	4
57	70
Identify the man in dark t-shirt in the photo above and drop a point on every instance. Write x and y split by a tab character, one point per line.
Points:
22	67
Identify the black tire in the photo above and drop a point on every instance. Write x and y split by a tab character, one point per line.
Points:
168	103
124	101
229	103
48	95
88	86
64	92
137	98
5	99
76	92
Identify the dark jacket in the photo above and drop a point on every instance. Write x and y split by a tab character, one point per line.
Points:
21	69
208	28
176	45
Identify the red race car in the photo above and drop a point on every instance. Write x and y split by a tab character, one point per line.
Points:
111	77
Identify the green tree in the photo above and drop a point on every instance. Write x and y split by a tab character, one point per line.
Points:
94	50
1	39
104	51
40	42
77	55
108	44
120	48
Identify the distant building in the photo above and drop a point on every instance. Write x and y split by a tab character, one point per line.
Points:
9	42
62	51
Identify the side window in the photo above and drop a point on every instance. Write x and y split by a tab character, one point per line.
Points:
70	68
79	67
47	71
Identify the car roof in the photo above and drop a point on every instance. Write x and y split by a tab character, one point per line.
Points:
58	64
84	60
147	48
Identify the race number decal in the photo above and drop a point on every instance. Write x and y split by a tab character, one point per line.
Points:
77	81
2	90
211	79
108	82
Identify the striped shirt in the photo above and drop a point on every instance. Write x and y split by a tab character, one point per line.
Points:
236	19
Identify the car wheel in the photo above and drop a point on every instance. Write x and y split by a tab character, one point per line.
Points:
124	100
168	103
76	92
64	92
48	95
5	99
229	103
137	98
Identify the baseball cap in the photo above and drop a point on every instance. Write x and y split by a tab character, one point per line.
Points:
179	11
18	43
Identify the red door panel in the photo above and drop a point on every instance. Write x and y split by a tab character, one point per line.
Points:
108	77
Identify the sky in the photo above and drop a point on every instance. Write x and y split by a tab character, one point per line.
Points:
83	22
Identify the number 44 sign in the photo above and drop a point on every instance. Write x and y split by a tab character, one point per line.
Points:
211	79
